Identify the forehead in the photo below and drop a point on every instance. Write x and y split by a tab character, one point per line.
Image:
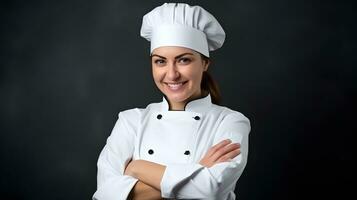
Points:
172	51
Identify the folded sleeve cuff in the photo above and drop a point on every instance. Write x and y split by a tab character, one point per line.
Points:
116	189
174	175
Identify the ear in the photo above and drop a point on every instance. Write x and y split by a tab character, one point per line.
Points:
206	63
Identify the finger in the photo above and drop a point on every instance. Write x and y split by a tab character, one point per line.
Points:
228	148
229	155
218	146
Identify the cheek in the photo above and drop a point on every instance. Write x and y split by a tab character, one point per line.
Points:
196	76
157	76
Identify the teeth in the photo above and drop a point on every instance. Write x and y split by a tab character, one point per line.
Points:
175	86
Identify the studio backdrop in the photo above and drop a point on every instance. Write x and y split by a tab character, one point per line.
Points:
69	67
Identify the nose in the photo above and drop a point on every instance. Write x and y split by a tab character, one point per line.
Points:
172	72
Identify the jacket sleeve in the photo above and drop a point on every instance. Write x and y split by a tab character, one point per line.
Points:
112	184
195	181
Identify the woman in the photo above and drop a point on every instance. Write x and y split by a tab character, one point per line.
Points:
187	146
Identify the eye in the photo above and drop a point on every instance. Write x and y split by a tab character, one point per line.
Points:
159	61
184	60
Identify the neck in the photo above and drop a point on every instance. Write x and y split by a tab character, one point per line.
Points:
177	106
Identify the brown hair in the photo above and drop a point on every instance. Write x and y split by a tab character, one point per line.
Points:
208	84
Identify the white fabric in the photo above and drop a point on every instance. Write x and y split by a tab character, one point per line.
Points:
139	130
179	24
179	35
112	184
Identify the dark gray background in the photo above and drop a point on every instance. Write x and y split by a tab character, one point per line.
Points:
69	67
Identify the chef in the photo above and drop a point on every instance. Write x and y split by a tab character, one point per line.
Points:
187	146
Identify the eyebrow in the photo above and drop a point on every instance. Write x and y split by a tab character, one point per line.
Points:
177	57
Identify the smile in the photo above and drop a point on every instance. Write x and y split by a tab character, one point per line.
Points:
176	86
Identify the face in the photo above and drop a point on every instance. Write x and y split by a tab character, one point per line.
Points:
177	72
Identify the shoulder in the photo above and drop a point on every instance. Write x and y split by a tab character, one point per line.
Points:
130	114
231	120
135	114
228	114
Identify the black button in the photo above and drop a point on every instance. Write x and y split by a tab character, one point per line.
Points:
197	118
151	151
159	116
187	152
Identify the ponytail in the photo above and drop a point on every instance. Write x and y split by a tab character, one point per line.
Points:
208	84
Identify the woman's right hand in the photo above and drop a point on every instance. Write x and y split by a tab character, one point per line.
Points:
221	152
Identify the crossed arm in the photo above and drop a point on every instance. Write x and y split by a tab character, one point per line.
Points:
148	186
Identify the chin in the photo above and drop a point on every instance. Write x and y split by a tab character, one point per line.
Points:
176	97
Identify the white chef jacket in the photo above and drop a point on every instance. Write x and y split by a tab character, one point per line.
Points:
178	140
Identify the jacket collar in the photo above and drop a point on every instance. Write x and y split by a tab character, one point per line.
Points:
200	105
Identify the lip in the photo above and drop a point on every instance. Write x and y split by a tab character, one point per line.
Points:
175	82
175	89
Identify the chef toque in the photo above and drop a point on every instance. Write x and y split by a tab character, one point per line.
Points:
179	24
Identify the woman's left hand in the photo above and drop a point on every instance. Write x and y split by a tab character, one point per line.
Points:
221	152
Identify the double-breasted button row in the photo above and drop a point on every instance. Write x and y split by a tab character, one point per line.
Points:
159	116
150	151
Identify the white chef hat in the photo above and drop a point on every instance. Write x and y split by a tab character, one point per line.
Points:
179	24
